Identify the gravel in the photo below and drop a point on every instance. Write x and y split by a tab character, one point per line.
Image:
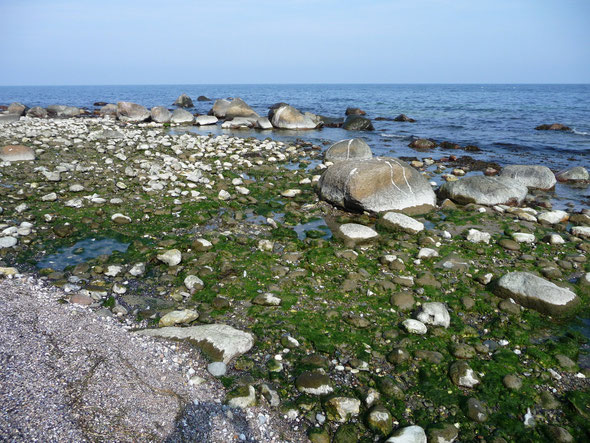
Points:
67	374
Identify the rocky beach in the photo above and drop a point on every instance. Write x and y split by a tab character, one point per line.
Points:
257	289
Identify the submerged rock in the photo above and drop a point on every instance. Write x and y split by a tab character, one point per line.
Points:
377	185
404	118
484	190
220	342
422	144
553	127
531	176
357	123
352	149
536	293
184	101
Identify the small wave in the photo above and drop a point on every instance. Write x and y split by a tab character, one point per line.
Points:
386	135
580	132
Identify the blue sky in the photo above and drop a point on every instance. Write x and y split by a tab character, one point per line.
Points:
67	42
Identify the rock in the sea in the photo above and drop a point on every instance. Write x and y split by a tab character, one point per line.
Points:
354	111
352	149
182	117
61	111
178	317
531	176
357	123
131	112
288	117
435	314
16	109
409	434
404	118
484	191
204	120
219	108
16	153
239	123
239	108
263	123
576	174
536	293
395	220
377	185
422	144
553	127
462	375
220	342
202	98
37	112
355	233
160	114
184	101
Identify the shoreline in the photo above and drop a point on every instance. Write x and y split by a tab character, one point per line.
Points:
266	256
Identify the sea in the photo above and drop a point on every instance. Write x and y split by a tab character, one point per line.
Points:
499	119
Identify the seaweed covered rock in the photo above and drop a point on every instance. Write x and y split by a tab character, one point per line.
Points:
377	185
357	123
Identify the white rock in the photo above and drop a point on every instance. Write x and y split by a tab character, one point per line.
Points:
581	231
414	326
178	317
357	233
224	195
427	253
435	313
7	242
290	193
553	217
193	283
137	269
203	120
51	197
171	257
409	434
475	236
523	237
402	222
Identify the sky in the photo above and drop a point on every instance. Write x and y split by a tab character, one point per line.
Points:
101	42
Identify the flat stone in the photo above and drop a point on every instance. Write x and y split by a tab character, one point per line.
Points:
16	153
221	342
536	293
531	176
396	220
409	434
178	317
217	368
414	326
484	190
357	233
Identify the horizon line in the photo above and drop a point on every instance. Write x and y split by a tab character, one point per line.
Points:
300	84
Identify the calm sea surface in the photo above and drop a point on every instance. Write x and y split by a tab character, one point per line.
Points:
500	119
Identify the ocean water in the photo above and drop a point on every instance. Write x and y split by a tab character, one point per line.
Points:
500	119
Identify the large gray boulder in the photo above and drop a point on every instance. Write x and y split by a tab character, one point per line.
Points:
239	108
377	185
184	101
288	117
577	174
61	111
484	191
353	149
182	117
219	108
16	109
132	112
536	293
357	123
531	176
37	112
220	342
160	114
